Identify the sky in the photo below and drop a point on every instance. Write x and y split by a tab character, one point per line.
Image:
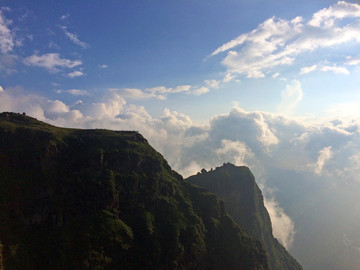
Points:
273	85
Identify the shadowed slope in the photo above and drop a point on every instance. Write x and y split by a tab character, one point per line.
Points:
100	199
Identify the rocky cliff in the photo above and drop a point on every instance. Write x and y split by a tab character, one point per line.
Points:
100	199
244	202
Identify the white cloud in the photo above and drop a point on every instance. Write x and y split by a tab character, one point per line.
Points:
212	83
104	112
52	111
78	92
200	91
74	38
278	42
327	16
306	70
229	77
166	90
291	96
75	73
283	225
235	152
74	92
1	89
325	68
6	37
51	62
134	93
103	66
325	155
255	74
337	70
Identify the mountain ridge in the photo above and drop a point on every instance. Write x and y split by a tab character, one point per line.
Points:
100	199
243	199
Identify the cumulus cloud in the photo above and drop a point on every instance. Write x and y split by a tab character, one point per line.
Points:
235	151
103	66
6	36
51	61
291	96
239	136
278	42
15	99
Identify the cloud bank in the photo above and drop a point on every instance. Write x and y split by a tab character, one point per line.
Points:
256	139
278	42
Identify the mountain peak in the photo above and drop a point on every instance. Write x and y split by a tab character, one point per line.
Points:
243	200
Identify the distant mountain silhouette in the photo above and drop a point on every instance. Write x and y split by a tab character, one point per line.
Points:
244	202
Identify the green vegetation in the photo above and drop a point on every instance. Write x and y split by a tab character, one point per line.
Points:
244	202
99	199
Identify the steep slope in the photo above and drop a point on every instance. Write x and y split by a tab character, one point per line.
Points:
99	199
244	202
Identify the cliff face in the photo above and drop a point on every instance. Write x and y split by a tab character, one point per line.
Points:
244	202
99	199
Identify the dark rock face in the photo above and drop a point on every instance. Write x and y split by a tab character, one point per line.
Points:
99	199
1	257
244	202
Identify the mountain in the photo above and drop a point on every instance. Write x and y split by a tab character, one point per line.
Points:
244	202
100	199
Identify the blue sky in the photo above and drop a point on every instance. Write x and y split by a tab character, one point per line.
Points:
273	85
138	47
